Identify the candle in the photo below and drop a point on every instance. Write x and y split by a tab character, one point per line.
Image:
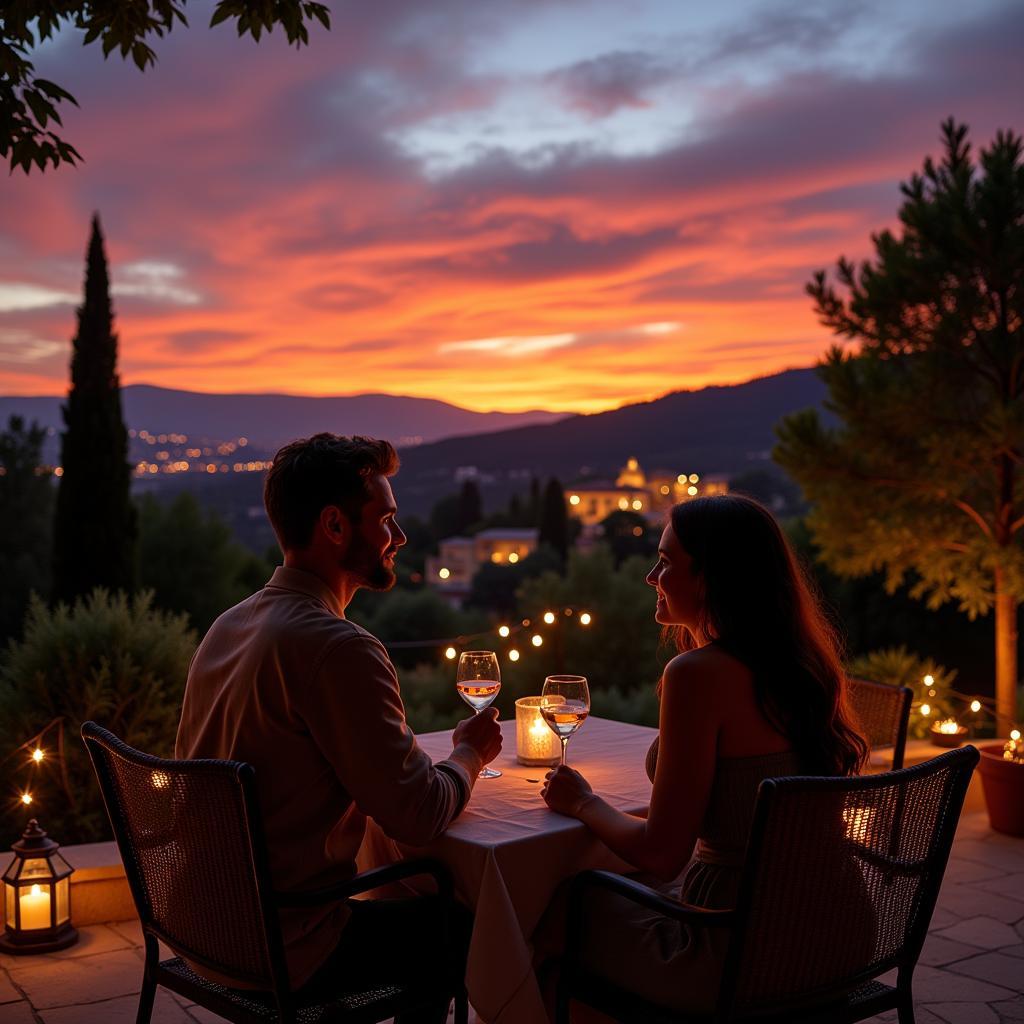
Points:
35	908
536	744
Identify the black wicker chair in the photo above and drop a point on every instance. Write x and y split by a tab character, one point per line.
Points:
191	839
839	885
883	712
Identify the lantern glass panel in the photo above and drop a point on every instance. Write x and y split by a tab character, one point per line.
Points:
36	869
9	905
63	900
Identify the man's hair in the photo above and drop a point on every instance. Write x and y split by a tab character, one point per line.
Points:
326	469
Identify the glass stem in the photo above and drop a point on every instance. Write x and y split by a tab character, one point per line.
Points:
565	743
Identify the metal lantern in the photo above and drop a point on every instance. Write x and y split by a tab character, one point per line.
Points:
37	896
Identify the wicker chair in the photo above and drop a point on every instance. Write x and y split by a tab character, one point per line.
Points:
839	885
191	839
883	712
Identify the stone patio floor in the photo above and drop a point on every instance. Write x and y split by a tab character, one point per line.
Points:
971	970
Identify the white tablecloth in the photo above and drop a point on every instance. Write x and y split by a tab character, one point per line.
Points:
509	853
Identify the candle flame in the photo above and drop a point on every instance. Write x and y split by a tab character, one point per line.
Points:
949	726
35	890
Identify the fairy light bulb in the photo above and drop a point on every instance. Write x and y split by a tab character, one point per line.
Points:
450	653
585	619
26	798
975	706
37	755
513	655
536	639
503	631
549	617
926	710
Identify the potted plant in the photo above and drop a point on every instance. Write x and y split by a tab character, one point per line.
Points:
1002	778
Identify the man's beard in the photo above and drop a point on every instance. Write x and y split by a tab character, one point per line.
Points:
368	567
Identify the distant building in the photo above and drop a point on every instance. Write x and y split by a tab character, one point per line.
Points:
451	571
633	491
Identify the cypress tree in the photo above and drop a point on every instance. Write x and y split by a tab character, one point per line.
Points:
553	528
95	525
471	508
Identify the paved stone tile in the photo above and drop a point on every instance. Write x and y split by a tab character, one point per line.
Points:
959	870
19	1013
1011	886
118	1011
934	985
961	1013
922	1015
943	918
8	993
984	932
1011	1009
939	951
972	901
994	967
131	930
50	982
1006	858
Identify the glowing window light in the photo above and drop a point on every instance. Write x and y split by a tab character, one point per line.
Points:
513	655
549	617
975	706
574	499
444	573
513	557
450	653
536	639
585	619
503	631
926	710
37	755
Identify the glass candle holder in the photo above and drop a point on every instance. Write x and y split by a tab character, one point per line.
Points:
536	744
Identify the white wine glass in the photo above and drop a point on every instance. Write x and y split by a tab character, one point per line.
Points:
478	681
565	704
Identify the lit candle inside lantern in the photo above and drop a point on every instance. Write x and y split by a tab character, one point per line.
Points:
35	908
536	744
949	726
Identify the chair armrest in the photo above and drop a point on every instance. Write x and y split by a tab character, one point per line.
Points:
647	897
637	893
373	879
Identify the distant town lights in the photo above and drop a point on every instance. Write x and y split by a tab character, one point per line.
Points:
691	491
574	499
444	573
694	478
637	504
513	557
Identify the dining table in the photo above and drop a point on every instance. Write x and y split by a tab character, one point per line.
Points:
508	854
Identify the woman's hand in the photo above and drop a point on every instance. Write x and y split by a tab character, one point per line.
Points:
566	791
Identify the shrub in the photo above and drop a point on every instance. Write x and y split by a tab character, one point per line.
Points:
109	658
897	666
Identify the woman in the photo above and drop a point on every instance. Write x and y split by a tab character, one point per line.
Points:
756	691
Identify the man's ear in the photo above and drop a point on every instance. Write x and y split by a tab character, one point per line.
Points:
336	526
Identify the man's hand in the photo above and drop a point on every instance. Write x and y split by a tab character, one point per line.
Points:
481	734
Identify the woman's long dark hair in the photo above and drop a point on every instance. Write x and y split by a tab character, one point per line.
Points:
760	607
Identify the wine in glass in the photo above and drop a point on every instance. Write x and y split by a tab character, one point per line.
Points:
478	681
565	704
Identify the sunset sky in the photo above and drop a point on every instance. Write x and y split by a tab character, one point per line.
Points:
506	205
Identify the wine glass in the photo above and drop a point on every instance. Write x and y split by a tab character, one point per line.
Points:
565	704
478	681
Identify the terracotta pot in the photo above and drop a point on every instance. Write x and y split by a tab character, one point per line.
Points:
1003	784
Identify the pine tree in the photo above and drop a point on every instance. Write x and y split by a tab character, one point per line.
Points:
553	526
923	476
95	526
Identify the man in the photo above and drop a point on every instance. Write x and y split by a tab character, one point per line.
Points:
285	682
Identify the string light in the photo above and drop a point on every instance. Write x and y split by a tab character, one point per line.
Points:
450	653
926	710
549	617
975	706
513	655
585	618
503	631
37	755
536	639
26	798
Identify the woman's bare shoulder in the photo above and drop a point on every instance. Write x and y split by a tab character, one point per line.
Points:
709	671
